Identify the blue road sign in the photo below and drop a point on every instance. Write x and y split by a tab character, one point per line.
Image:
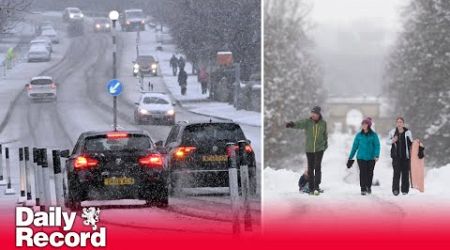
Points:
114	87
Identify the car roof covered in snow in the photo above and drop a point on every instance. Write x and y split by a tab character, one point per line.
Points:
41	78
133	10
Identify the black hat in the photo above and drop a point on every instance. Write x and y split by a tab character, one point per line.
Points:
316	109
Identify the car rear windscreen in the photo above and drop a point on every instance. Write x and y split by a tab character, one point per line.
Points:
206	133
41	82
132	142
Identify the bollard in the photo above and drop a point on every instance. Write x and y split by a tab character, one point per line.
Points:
28	172
9	190
22	177
45	178
245	184
58	177
234	187
2	180
37	179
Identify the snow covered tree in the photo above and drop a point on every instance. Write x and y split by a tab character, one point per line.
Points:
201	28
293	83
418	75
11	12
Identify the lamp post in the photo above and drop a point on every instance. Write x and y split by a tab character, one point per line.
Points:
114	16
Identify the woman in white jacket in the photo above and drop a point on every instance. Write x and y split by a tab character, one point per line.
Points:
400	138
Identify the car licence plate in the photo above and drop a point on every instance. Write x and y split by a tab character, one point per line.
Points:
214	158
118	181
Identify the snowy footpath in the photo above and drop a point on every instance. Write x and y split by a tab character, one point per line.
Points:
342	202
194	100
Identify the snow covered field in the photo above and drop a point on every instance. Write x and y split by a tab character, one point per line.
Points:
342	202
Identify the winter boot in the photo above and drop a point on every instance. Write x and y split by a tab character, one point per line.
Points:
363	193
316	192
395	192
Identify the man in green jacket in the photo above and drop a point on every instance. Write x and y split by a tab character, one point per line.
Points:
316	143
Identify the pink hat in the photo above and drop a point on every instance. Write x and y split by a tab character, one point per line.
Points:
367	121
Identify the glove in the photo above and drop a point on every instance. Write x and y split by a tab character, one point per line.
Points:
290	125
350	163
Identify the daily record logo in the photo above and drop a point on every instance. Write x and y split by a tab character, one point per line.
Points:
55	217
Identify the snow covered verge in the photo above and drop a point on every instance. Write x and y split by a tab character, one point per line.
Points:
342	201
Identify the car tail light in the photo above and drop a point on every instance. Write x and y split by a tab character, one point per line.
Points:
53	86
248	149
116	135
152	161
181	152
83	162
231	148
29	87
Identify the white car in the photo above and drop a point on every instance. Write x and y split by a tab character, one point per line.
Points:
41	87
38	53
42	42
154	107
51	33
72	14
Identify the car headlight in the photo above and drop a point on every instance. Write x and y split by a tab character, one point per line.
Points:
97	26
107	25
171	112
143	111
136	66
154	66
71	15
81	15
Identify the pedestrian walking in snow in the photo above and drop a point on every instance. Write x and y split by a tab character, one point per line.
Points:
316	144
400	139
174	64
203	79
181	63
366	146
182	81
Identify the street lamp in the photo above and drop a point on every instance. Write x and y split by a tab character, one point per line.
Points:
114	16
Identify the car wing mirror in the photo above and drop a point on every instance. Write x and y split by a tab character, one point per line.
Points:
136	103
65	153
159	144
174	104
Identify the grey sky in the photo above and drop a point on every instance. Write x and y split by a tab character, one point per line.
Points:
353	38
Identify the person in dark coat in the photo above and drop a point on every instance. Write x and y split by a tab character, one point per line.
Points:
181	63
174	64
400	139
182	81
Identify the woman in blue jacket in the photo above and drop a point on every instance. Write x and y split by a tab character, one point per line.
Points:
366	146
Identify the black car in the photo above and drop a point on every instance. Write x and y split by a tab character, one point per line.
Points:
115	165
145	65
197	155
102	24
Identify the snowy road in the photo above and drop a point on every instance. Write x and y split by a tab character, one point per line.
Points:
83	104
